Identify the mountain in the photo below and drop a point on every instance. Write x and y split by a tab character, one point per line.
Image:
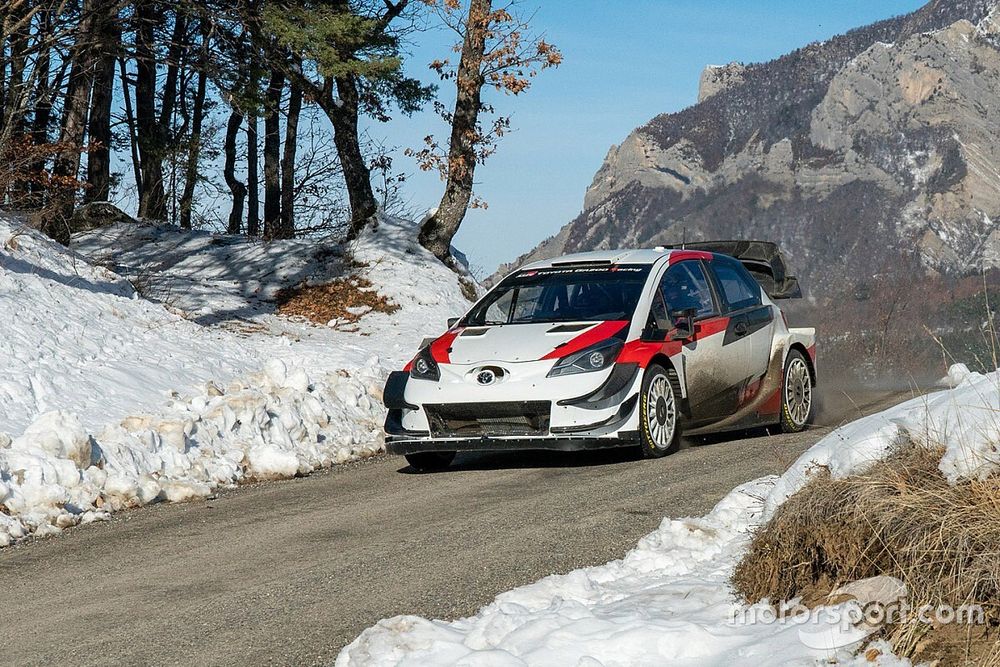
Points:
871	158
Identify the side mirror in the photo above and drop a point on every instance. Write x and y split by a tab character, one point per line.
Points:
452	321
683	324
653	334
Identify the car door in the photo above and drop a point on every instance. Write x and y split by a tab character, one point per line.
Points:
751	322
711	369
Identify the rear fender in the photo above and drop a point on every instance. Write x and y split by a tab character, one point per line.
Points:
803	340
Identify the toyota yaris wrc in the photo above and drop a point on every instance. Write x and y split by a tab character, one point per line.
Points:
608	349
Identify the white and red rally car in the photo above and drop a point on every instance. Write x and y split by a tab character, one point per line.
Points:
608	349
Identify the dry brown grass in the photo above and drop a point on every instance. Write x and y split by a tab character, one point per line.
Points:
343	300
899	518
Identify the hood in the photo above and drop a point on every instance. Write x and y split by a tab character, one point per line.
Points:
514	343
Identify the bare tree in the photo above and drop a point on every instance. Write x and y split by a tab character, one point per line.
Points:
494	52
74	121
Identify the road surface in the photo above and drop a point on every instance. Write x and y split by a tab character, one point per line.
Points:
289	572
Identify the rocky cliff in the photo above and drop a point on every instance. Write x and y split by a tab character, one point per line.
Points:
871	151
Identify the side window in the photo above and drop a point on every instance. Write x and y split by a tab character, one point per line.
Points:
685	286
499	310
658	312
528	304
738	288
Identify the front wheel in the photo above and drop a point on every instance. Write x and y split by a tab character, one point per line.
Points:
659	430
796	394
430	461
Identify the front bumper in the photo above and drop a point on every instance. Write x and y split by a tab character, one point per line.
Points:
559	444
605	416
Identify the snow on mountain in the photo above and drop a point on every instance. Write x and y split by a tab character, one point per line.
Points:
669	600
109	400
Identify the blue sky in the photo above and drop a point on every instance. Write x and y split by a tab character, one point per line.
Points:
625	62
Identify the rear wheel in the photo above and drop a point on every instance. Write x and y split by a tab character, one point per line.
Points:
659	430
796	394
430	461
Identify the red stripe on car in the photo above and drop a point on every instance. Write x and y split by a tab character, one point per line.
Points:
441	348
710	327
602	331
681	255
642	352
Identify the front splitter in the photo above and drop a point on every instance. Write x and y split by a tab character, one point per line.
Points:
403	446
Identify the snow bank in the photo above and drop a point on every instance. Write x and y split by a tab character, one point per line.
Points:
77	338
669	600
108	400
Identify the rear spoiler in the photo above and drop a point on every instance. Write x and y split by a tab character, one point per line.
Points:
762	259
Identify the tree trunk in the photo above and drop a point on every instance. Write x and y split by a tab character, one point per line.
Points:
272	148
287	230
99	158
17	28
74	121
149	132
438	231
194	147
176	62
44	92
175	53
18	92
253	183
238	189
130	126
17	87
343	115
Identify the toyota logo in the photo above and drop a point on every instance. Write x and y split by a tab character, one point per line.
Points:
486	377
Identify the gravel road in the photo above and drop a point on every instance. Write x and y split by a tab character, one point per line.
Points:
289	572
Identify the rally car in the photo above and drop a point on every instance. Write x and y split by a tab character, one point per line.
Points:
609	349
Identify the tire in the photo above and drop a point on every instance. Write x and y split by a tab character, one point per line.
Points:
659	414
430	461
796	394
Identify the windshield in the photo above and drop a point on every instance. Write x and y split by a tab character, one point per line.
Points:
563	294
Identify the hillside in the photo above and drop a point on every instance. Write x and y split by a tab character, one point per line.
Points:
869	156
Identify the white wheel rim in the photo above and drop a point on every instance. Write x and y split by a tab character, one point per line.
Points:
661	411
798	392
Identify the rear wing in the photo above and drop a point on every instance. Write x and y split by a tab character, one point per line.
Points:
762	259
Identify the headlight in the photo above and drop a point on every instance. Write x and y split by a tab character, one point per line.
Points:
597	357
424	367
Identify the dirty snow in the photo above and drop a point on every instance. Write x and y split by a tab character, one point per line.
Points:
669	600
109	400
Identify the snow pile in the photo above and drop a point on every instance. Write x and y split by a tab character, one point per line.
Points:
108	400
669	600
77	337
279	423
213	278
